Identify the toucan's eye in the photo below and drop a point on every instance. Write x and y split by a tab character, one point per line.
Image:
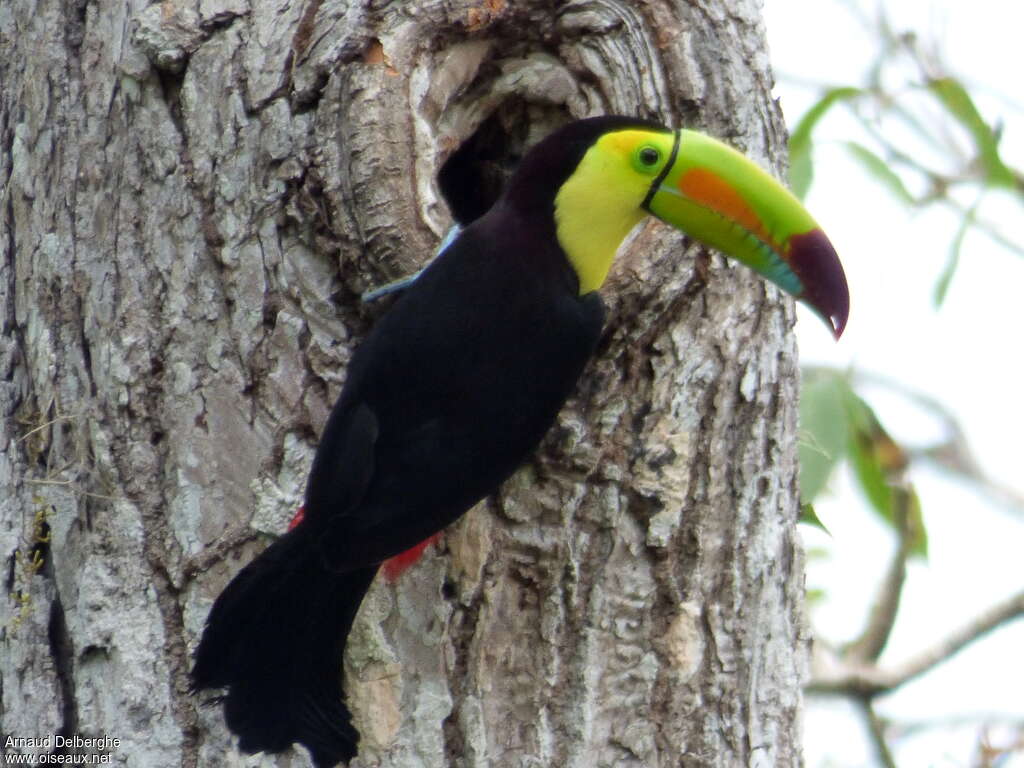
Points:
649	157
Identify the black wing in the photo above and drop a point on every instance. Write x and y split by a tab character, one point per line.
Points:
450	392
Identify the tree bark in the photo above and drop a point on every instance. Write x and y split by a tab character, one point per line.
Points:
194	194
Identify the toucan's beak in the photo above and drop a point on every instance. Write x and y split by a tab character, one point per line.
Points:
715	194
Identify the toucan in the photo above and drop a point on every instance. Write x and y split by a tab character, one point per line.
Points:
458	382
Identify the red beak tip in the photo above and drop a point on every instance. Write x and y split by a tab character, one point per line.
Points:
814	260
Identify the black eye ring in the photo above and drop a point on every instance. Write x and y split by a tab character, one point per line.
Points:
649	157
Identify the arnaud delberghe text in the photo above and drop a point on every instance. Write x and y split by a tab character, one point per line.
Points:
56	741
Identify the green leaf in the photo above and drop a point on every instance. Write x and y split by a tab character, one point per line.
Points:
801	136
879	465
823	428
815	595
915	524
817	553
801	166
958	102
836	423
864	458
810	517
801	171
881	171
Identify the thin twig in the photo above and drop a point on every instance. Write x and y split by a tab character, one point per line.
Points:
49	423
882	618
73	487
985	226
877	730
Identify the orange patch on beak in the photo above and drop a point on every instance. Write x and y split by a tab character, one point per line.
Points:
710	190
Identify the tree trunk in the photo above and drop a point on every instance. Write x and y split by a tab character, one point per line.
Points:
194	194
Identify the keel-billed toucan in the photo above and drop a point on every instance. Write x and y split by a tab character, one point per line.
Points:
460	380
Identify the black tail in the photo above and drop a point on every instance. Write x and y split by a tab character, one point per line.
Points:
275	639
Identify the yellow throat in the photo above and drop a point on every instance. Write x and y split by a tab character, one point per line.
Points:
600	203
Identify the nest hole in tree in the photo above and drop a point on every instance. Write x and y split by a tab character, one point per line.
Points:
473	176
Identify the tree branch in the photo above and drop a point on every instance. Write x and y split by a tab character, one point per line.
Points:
853	677
872	641
997	615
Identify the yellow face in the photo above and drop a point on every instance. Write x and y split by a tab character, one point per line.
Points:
602	200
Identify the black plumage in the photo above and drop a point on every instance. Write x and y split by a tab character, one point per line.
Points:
445	398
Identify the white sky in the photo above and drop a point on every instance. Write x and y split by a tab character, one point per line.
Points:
967	354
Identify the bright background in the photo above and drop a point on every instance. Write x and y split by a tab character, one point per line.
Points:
968	354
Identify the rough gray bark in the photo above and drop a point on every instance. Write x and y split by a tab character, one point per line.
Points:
193	196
